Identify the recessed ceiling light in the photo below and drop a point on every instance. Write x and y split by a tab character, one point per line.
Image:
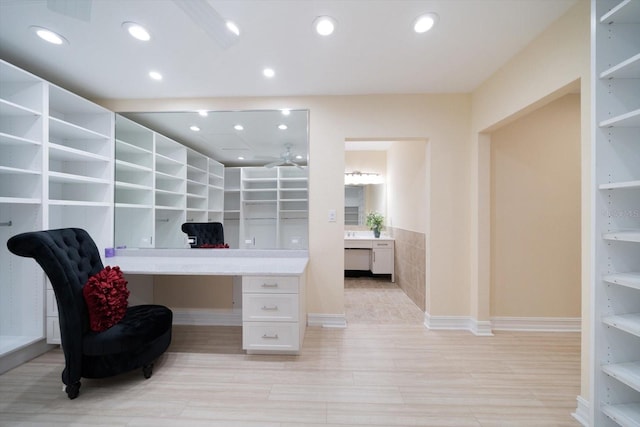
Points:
298	157
136	31
231	26
49	36
282	127
155	75
195	128
203	113
324	25
238	127
268	72
425	22
286	112
240	158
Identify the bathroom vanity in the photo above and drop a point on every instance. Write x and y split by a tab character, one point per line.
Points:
363	252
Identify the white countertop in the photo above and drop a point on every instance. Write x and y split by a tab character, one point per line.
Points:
218	262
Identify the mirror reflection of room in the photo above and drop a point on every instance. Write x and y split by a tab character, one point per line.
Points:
246	171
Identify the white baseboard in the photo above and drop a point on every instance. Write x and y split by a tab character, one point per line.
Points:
327	320
537	324
18	357
582	411
485	327
207	317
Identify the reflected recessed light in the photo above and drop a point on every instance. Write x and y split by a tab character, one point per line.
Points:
268	72
231	26
136	31
298	157
49	36
324	25
203	113
238	127
286	112
194	128
240	158
425	22
282	127
155	75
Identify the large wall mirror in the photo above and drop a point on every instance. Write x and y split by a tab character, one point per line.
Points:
245	169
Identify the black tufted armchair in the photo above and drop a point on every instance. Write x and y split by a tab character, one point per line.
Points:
204	233
69	257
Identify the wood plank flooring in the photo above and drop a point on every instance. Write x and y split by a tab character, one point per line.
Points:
386	372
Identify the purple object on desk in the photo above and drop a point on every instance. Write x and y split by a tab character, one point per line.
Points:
109	252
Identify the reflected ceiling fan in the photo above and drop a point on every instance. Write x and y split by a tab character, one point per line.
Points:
285	159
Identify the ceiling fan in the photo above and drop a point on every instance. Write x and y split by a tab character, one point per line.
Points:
285	159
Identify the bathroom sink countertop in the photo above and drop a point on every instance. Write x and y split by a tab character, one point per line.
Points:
368	236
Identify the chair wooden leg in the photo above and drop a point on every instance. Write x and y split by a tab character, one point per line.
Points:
73	390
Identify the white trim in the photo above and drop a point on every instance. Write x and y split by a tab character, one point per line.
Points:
17	357
539	324
207	317
327	320
481	328
447	322
582	411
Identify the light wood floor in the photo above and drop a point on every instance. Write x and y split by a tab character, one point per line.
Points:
386	372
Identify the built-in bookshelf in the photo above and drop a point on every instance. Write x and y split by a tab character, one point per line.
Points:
616	287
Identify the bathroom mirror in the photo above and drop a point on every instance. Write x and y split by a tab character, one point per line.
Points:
256	185
362	199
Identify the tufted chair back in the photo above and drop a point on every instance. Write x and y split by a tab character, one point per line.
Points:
204	233
68	257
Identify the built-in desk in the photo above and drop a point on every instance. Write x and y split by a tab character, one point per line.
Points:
273	287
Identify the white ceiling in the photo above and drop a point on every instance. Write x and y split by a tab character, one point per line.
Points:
372	51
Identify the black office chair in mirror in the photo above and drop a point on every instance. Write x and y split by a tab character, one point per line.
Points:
247	170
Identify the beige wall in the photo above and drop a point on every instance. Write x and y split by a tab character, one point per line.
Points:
535	213
556	63
443	120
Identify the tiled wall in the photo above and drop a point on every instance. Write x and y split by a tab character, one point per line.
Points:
410	263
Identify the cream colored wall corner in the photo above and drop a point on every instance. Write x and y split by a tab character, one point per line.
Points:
554	64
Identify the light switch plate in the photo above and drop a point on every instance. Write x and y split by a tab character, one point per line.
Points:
332	215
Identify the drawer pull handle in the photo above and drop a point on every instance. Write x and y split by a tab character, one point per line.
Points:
272	308
270	337
269	285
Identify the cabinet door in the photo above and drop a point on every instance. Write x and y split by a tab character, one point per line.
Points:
382	261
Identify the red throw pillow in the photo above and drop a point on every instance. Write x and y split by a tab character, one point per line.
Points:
106	295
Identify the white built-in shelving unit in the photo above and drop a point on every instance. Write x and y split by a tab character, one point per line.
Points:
269	206
56	170
160	184
616	287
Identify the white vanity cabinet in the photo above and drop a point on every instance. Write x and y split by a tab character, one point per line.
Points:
273	314
375	255
382	257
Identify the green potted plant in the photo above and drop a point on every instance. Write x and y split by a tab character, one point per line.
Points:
375	222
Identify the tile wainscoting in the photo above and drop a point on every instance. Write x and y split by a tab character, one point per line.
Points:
410	264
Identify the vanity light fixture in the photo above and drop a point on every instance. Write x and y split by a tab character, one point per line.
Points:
49	36
362	178
238	127
282	126
324	25
268	72
155	75
425	22
194	128
136	31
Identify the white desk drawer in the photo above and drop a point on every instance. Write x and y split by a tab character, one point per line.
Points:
270	307
383	244
270	284
270	336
